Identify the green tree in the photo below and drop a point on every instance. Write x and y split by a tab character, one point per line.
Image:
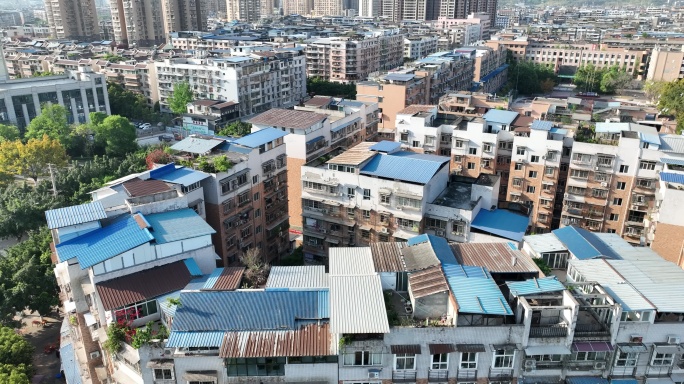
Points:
653	89
236	129
14	349
588	78
319	86
671	101
14	374
222	164
530	78
52	121
113	58
33	158
9	132
116	134
22	209
181	96
132	105
613	79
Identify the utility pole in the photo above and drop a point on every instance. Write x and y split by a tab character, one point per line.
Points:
52	178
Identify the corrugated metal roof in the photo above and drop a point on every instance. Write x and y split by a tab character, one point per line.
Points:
583	244
419	156
623	381
672	143
585	380
164	304
197	145
500	116
351	296
192	266
399	76
600	271
496	257
666	160
261	137
72	372
542	125
402	168
501	222
181	175
143	285
104	243
225	279
439	246
592	346
178	225
535	286
655	278
76	214
419	257
308	276
427	282
248	310
385	146
137	187
185	339
547	350
351	261
309	340
546	242
475	290
288	118
387	257
672	177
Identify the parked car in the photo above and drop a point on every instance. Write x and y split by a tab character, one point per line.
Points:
166	138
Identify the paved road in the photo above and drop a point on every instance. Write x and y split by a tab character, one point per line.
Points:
149	140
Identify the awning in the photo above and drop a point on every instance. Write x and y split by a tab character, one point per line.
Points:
163	363
200	376
505	347
659	380
69	306
332	241
472	348
89	319
539	380
596	346
436	349
316	235
623	381
632	347
677	377
547	350
667	348
585	380
319	138
547	182
411	349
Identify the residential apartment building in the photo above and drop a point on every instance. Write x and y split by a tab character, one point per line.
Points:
423	82
257	82
418	47
323	124
72	19
666	224
420	9
370	8
665	64
298	7
209	116
491	70
80	92
352	59
247	203
149	23
244	10
328	7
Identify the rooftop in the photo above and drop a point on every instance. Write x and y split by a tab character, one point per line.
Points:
197	145
500	116
416	108
496	257
297	277
456	195
177	225
404	168
74	215
288	118
138	187
535	286
260	137
171	173
356	155
546	242
502	223
584	244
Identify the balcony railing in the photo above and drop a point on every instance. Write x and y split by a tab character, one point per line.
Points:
438	376
467	375
556	330
591	330
658	371
500	374
403	376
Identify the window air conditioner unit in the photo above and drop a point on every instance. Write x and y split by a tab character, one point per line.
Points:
600	365
373	375
604	184
673	340
530	363
94	355
383	230
323	231
636	339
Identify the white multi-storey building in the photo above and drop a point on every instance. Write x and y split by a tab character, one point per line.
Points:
418	47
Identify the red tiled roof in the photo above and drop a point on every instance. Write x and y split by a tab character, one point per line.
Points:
143	285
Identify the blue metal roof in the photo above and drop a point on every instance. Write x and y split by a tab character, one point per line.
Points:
585	380
196	284
679	162
197	145
534	286
421	156
183	176
261	137
385	146
104	243
166	307
559	131
623	381
70	367
650	137
403	168
76	214
500	116
213	278
195	339
439	246
584	244
315	139
178	225
475	290
493	73
542	125
249	310
672	177
192	266
502	223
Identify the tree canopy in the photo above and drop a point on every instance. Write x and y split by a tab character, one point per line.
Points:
115	133
31	159
15	357
9	133
590	78
236	129
52	121
318	86
131	105
22	209
181	96
530	78
671	101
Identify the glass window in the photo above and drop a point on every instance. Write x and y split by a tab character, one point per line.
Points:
662	359
363	358
163	374
440	361
404	361
503	358
626	359
468	360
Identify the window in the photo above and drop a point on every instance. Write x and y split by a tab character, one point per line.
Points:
503	358
440	361
256	196
366	194
662	359
366	214
520	151
404	137
260	366
416	143
350	212
363	358
579	174
163	374
626	359
485	163
457	158
532	174
458	228
257	230
624	168
472	151
468	360
471	165
534	158
531	189
589	356
487	147
458	144
518	166
620	185
429	140
549	171
404	361
136	311
407	202
243	198
351	192
648	165
365	234
246	232
614	217
617	201
255	179
517	182
435	223
599	193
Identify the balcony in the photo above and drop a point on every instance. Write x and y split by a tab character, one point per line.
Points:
500	374
543	331
403	376
438	376
658	371
593	331
467	375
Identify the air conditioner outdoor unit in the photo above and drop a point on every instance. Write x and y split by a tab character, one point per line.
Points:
373	375
439	233
604	184
673	340
323	231
530	363
600	365
596	168
636	339
94	355
383	230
